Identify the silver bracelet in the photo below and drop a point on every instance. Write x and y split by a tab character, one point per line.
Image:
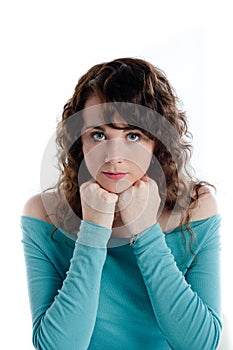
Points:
133	240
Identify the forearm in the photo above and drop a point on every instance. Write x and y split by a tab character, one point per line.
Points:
68	322
186	321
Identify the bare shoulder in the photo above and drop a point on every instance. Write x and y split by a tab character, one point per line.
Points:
34	207
206	205
203	208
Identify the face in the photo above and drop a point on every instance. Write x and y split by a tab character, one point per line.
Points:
115	158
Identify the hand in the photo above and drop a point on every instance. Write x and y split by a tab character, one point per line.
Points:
139	205
98	205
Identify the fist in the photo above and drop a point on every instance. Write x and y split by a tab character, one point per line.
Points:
139	205
98	205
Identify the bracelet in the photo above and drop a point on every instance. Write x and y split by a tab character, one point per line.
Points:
133	240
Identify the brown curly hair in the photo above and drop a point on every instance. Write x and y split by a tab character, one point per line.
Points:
136	82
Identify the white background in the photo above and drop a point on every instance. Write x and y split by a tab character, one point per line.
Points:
46	46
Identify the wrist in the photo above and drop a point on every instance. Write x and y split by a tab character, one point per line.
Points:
134	237
93	235
100	220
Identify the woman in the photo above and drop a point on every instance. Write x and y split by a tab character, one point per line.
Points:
124	252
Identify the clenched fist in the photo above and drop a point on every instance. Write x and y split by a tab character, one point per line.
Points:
98	205
139	205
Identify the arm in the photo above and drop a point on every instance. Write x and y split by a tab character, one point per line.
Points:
186	308
64	312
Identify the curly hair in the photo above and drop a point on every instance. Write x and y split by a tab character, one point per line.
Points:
135	82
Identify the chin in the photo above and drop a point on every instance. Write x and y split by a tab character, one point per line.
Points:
117	188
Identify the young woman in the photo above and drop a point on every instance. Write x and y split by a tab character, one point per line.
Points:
124	252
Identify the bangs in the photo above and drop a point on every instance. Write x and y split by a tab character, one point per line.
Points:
135	117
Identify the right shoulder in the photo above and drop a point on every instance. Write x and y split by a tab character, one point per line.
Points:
34	207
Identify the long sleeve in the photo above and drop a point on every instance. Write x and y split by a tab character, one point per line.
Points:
187	307
64	312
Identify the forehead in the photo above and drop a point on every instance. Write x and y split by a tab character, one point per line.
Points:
93	114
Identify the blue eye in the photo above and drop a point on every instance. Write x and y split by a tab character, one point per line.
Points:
133	136
98	136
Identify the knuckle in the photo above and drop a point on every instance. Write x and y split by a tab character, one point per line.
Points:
86	184
102	193
82	189
113	197
153	183
93	186
125	195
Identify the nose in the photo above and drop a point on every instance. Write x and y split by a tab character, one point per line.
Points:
114	151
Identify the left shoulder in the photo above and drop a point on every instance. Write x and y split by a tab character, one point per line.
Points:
206	205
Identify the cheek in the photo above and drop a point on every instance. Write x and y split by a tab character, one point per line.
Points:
136	157
94	159
139	169
141	158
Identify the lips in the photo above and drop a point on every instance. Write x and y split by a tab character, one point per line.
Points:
114	175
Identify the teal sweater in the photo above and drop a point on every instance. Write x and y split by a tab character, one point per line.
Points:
100	293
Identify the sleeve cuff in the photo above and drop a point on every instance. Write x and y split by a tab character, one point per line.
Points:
93	235
152	235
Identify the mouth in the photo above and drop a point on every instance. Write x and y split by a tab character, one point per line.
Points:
114	176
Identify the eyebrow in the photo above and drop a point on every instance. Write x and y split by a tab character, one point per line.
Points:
103	129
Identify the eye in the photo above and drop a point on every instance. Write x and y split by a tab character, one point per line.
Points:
133	136
98	136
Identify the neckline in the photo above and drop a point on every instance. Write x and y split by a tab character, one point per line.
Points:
68	235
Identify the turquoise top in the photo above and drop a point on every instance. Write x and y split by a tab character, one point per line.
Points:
92	294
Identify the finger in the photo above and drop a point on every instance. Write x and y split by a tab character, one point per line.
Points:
148	179
145	178
136	183
86	184
152	183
